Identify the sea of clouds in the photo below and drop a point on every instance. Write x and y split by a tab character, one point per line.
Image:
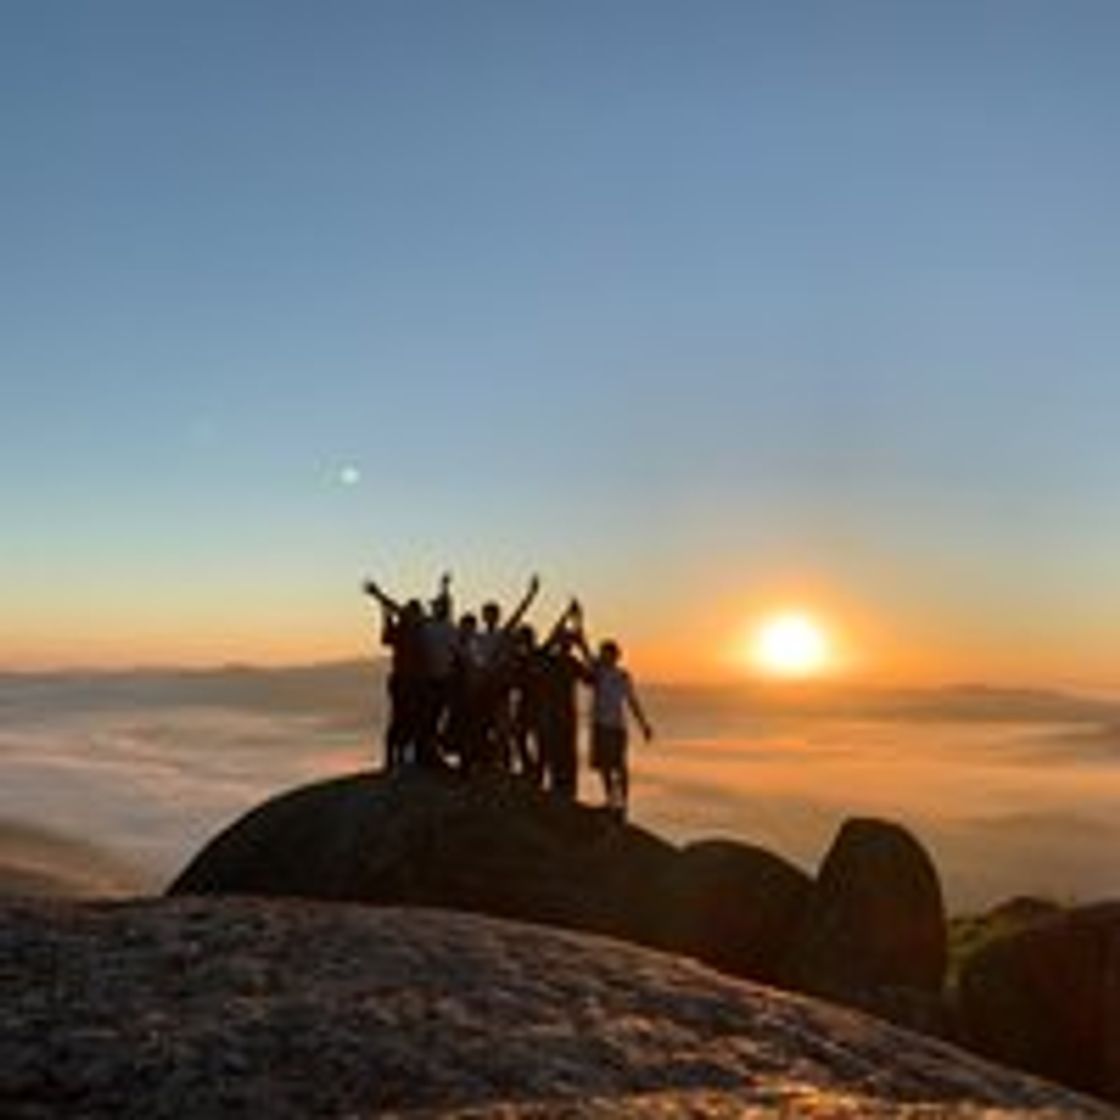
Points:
108	783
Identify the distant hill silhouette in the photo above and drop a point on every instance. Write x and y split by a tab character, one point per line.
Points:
349	691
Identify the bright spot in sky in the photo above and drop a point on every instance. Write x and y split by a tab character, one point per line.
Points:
790	645
349	475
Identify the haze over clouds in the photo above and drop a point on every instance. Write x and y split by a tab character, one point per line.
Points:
1013	792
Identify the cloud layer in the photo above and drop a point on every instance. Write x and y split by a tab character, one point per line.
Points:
1014	793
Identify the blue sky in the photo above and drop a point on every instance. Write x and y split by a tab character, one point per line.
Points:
684	304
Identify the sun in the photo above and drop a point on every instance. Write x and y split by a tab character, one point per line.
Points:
791	644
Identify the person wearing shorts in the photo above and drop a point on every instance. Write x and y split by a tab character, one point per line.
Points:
612	690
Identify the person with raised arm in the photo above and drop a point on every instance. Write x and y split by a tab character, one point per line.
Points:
494	638
401	628
560	673
440	638
534	742
496	659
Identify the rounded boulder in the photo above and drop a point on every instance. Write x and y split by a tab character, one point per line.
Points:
874	921
492	845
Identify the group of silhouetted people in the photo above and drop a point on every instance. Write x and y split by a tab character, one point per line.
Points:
482	693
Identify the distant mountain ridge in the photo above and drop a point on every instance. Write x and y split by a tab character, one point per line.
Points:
355	687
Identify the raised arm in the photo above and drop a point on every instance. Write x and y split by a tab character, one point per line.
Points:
522	608
390	606
580	634
570	613
444	589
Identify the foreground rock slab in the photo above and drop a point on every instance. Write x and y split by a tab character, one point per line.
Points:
227	1007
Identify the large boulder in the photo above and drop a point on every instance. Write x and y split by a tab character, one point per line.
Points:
493	845
1047	998
734	906
874	924
215	1008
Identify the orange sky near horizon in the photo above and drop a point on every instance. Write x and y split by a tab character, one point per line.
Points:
705	641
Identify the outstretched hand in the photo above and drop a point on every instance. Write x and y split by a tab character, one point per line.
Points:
371	588
574	616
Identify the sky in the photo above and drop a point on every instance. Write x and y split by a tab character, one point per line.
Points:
698	309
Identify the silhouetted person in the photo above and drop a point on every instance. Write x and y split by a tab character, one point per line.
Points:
525	703
465	716
401	633
439	637
496	657
559	674
612	694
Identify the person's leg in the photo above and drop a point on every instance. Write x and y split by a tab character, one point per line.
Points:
564	771
526	757
600	759
564	762
611	752
408	719
427	745
608	785
503	731
439	716
392	727
615	803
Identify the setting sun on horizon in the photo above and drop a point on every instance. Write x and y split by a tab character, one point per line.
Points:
790	644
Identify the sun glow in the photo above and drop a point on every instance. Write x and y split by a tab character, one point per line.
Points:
792	644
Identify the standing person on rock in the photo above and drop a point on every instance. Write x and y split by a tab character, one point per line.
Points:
560	671
464	713
613	694
440	637
525	679
422	645
496	654
402	634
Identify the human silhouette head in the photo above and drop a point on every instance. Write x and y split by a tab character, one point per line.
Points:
491	615
609	652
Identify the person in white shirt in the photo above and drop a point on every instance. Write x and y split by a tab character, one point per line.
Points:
612	694
495	654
